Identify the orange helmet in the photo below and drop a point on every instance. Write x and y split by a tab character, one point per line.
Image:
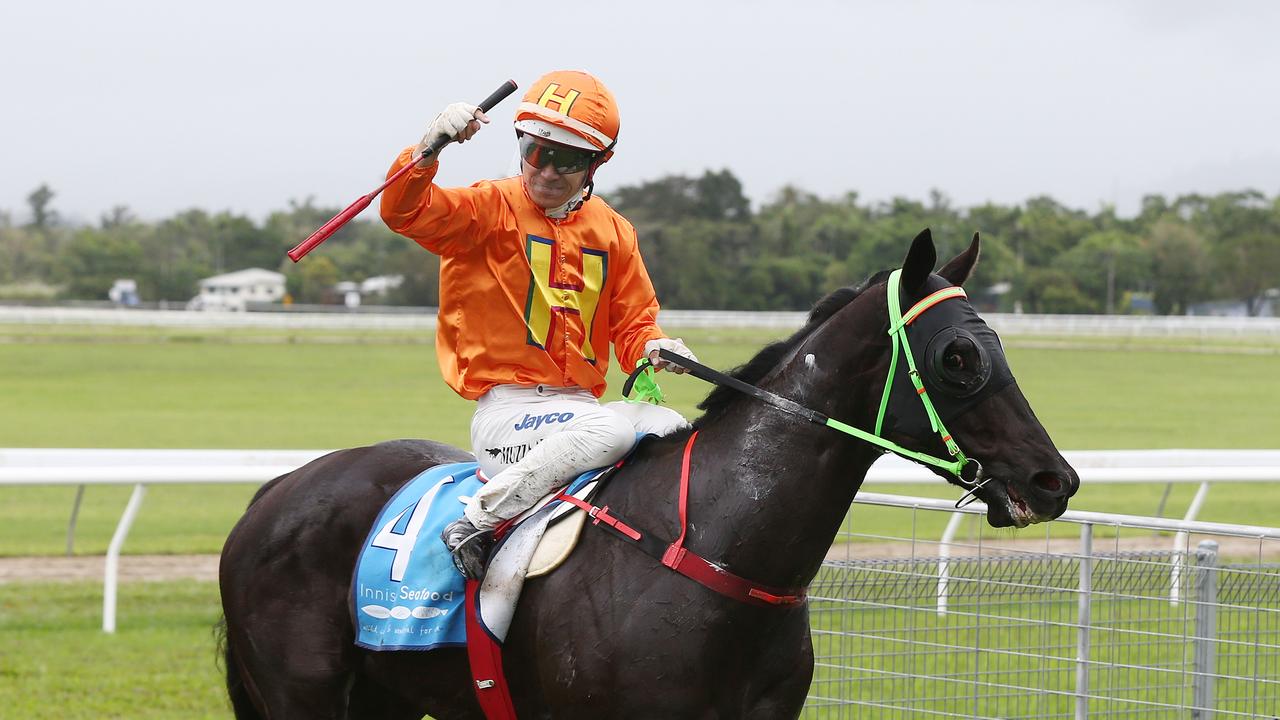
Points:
572	108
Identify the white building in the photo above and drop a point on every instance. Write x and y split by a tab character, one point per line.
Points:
124	292
380	285
233	290
349	292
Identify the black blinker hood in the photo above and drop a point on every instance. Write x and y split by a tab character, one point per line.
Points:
952	394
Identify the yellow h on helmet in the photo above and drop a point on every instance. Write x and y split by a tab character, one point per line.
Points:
573	108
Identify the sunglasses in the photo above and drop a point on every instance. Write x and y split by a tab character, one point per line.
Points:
565	160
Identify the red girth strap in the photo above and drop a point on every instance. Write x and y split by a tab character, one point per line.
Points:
485	657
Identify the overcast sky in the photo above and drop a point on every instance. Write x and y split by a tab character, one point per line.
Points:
242	106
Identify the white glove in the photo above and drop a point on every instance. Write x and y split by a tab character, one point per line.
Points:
459	121
675	345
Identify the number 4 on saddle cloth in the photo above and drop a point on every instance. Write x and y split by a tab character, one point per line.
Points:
407	593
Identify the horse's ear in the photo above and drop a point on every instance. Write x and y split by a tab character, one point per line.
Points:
919	263
961	266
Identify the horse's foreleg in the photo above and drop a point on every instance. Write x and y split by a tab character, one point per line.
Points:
780	693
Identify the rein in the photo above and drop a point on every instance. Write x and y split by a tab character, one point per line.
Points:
967	470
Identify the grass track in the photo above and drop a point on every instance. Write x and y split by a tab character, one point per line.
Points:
141	387
56	664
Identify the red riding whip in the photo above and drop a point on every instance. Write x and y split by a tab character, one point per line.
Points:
342	218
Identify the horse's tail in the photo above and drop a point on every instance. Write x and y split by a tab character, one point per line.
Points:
237	691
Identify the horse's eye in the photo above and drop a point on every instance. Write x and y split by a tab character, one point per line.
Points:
957	363
957	350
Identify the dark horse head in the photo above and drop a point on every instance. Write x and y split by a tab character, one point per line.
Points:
973	403
613	632
963	366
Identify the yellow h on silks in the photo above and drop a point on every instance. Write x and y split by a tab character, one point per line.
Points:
550	302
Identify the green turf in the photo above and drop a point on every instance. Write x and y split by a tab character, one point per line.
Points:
174	519
57	664
139	387
198	395
1143	399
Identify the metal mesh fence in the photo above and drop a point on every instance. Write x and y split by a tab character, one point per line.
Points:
1010	632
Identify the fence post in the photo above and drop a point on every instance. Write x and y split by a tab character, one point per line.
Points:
110	575
1180	543
1204	663
1084	616
944	561
71	525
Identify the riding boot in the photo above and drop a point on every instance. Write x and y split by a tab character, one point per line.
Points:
468	546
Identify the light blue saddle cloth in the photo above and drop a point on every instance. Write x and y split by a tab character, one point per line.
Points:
407	593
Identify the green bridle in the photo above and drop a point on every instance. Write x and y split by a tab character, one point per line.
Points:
898	322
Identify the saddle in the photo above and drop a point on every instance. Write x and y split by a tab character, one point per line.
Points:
562	534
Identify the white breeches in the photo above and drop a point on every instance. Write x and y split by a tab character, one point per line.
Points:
532	440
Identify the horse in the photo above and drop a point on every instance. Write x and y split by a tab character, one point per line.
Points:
613	632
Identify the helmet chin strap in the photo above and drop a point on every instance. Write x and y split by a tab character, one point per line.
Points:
560	211
569	206
580	197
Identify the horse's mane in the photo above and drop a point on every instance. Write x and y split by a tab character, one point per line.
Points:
767	359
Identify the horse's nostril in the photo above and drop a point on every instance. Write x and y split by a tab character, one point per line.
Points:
1048	482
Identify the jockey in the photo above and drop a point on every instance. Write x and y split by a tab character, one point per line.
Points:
537	278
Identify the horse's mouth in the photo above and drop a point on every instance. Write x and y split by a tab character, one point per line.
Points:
1015	508
1018	508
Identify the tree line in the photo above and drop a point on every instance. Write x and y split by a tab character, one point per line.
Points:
706	247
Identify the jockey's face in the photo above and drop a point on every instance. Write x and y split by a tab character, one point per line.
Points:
548	188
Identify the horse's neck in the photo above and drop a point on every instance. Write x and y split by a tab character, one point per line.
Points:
782	485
